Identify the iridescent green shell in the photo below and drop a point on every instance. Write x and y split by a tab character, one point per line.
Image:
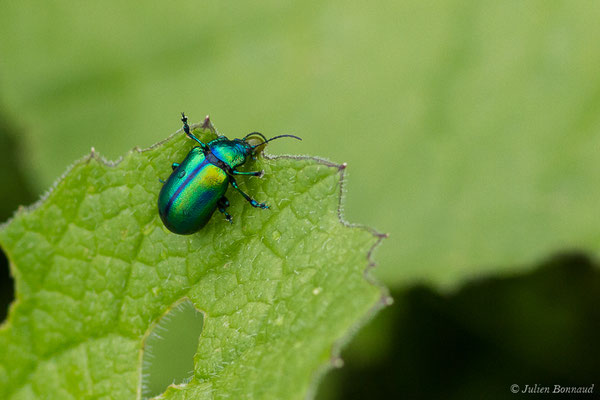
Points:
189	197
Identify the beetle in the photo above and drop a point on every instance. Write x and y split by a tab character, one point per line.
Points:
197	185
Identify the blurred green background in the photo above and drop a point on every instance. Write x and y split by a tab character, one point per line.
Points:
471	130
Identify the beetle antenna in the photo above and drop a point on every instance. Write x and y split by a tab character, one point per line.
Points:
276	137
254	133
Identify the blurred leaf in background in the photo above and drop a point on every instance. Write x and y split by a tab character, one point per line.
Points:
471	129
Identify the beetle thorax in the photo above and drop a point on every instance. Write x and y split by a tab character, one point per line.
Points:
232	152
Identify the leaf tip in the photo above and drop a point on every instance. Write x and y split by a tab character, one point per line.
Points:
387	300
337	362
207	124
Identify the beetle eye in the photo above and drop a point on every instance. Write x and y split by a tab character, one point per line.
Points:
254	141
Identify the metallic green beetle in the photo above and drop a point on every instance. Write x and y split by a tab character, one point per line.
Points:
197	186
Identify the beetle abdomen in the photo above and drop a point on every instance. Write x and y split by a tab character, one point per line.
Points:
189	197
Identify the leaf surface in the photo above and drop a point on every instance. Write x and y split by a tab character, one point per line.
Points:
95	268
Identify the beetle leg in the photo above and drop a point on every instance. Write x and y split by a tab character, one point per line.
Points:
253	202
174	166
222	204
186	129
253	173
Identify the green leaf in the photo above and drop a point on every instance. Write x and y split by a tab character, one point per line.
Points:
95	268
